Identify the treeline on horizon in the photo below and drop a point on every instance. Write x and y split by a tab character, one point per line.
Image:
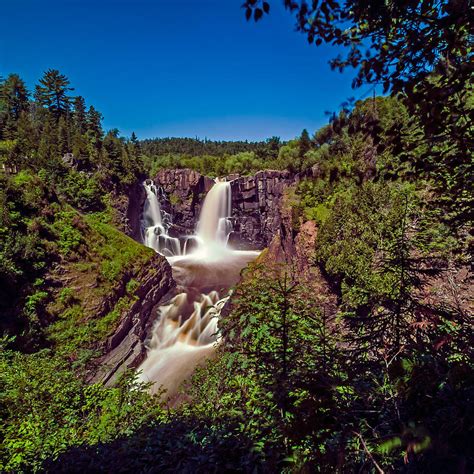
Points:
197	146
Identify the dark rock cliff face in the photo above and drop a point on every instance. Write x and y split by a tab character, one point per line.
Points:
295	248
255	203
124	348
183	194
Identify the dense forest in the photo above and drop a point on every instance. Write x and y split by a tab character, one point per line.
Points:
374	374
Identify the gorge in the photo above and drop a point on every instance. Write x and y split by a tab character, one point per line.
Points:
205	267
316	301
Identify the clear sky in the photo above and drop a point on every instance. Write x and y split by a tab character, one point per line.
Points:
177	67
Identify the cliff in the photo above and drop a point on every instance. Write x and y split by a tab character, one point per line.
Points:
293	245
255	203
124	347
102	297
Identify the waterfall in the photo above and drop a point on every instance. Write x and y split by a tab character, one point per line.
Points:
186	332
152	205
155	226
214	226
178	345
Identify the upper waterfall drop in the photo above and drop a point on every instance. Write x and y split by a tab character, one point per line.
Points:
152	206
214	226
155	226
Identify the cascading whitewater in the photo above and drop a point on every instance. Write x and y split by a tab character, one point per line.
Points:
177	344
186	332
214	226
155	228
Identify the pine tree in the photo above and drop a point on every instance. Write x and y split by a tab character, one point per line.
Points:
52	93
14	98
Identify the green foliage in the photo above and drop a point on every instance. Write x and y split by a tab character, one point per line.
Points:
211	158
385	383
279	353
74	332
52	91
47	409
118	252
67	226
196	147
82	191
421	52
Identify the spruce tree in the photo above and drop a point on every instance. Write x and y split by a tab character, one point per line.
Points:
93	124
94	133
305	143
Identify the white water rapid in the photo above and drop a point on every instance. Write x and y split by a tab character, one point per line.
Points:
186	333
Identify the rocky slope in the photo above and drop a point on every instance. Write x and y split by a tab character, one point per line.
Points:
102	297
124	348
293	246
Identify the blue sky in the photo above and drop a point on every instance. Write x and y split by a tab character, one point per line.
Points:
177	67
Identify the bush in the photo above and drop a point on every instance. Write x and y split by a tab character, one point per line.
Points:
66	228
47	409
82	191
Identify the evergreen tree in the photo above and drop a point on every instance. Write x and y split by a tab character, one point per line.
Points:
113	152
63	136
14	97
305	143
80	115
52	92
26	141
48	146
134	149
93	124
94	132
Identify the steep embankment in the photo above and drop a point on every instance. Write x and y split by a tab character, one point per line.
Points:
103	292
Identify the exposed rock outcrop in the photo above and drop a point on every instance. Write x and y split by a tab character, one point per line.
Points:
295	248
255	202
183	194
124	348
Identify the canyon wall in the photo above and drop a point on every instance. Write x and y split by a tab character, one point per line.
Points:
255	203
